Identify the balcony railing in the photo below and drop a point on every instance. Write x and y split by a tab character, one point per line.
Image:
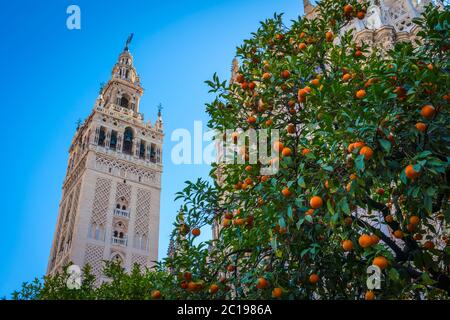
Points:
119	241
122	213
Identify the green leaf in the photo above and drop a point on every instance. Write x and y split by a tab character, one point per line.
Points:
385	144
359	162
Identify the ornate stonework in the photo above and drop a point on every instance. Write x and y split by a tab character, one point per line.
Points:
386	22
110	203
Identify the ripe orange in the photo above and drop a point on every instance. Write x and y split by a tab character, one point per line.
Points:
251	120
398	234
428	245
302	93
262	283
309	212
358	53
375	239
278	146
361	15
286	192
196	232
380	191
266	76
187	275
316	202
381	262
365	240
369	295
348	187
428	112
248	168
353	176
411	227
421	126
358	144
184	285
417	237
348	9
277	293
305	151
302	46
239	222
314	278
291	128
248	181
226	223
214	288
240	78
347	245
346	77
251	85
329	36
414	220
315	82
230	268
156	294
269	122
286	152
348	221
411	173
360	94
285	74
367	152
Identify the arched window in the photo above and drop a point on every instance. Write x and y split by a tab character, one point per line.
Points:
102	136
128	141
117	258
118	206
113	141
115	233
124	102
124	207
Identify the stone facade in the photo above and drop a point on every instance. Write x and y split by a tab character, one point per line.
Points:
111	194
386	22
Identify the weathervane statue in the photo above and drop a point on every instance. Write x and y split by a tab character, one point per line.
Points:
130	37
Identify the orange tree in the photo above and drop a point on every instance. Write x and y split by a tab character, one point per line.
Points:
363	178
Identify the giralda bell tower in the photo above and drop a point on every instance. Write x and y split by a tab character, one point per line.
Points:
111	193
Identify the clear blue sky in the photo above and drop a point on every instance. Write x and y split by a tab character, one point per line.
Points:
50	78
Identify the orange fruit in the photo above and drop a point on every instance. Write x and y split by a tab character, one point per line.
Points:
417	237
262	283
286	152
375	239
369	295
277	293
239	222
398	234
365	241
360	94
213	288
348	221
302	46
196	232
309	212
428	245
353	176
346	77
291	128
381	262
248	168
358	53
411	173
269	122
286	192
329	36
240	78
367	152
266	76
251	120
348	8
428	112
360	15
230	268
389	218
278	146
314	278
414	220
347	245
251	85
305	151
411	227
226	223
348	187
187	275
156	294
359	144
315	82
421	126
316	202
184	285
285	74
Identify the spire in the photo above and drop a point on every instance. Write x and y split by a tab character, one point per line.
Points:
234	70
159	121
130	38
307	7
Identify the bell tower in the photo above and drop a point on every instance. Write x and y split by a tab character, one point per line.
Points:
111	193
